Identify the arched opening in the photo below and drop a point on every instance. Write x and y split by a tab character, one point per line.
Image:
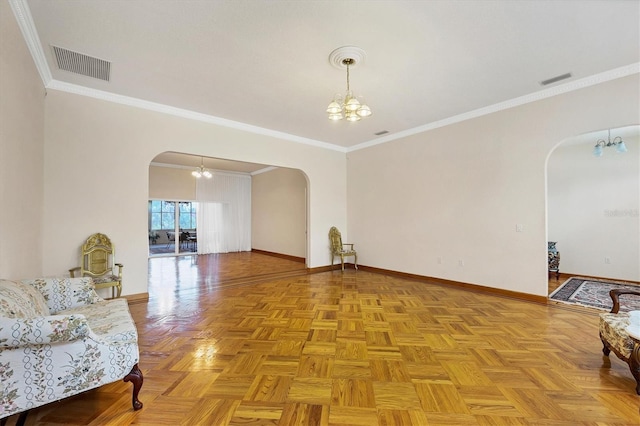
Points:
592	206
278	216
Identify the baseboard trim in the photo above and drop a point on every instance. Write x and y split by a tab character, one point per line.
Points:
329	268
132	299
565	276
465	286
280	255
319	269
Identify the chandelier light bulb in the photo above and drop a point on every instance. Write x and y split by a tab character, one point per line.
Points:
351	104
597	151
364	111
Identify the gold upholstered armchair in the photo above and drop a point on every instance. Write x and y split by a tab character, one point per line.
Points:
615	334
97	261
338	247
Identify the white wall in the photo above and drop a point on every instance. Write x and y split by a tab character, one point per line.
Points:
86	136
593	207
278	212
426	202
169	183
21	154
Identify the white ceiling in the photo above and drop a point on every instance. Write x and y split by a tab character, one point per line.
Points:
264	65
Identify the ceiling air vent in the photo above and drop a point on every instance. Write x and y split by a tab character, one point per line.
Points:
79	63
381	132
555	79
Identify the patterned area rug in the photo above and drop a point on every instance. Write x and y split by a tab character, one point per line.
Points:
595	294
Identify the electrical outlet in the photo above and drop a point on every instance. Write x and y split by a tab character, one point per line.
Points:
519	227
461	263
439	260
607	261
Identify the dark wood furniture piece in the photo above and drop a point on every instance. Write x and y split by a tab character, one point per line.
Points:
615	336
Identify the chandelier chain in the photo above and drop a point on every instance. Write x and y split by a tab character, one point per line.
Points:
348	61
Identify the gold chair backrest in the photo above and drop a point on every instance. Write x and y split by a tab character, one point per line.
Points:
97	255
335	239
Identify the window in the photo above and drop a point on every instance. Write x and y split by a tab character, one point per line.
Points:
162	215
187	215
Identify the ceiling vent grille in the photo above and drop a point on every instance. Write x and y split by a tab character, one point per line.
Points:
555	79
79	63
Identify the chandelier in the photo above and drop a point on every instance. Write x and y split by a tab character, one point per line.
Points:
201	171
601	143
347	106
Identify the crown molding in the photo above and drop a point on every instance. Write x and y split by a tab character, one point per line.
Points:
213	171
25	22
28	28
179	166
511	103
265	170
183	113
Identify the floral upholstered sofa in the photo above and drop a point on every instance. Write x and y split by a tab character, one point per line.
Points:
59	338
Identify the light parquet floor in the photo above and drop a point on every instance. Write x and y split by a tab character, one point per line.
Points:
352	348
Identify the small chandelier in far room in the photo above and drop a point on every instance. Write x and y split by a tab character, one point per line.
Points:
201	171
601	143
347	106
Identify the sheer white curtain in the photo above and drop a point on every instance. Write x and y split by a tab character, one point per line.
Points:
224	213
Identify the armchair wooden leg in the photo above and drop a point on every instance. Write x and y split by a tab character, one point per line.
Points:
135	377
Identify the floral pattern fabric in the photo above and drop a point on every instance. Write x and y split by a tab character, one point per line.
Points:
65	293
18	300
613	330
16	332
85	343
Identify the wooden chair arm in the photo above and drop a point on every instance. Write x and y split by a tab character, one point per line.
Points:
72	271
615	297
120	266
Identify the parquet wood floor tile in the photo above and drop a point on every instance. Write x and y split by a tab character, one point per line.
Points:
249	339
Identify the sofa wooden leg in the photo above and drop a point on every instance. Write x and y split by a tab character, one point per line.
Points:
605	350
22	417
135	377
634	365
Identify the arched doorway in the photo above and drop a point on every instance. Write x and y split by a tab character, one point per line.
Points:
278	203
592	205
